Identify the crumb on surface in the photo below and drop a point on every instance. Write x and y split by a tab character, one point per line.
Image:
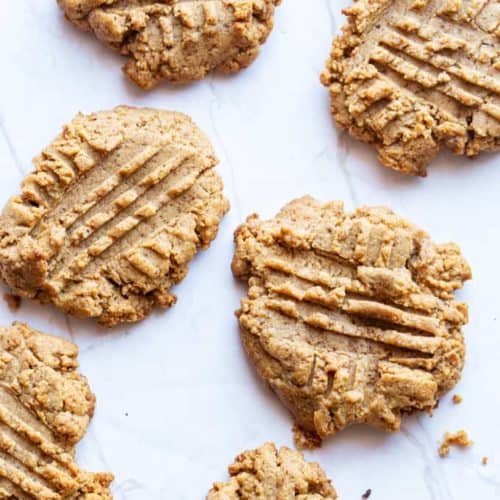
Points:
305	440
459	438
13	301
457	399
366	494
484	461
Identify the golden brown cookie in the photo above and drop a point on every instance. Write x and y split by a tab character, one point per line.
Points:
45	409
267	473
411	76
116	208
177	40
350	318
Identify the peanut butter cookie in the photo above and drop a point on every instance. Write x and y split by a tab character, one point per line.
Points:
270	474
177	40
411	76
350	318
45	409
114	211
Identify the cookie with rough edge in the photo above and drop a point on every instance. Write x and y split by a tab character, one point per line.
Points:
269	473
115	209
350	317
177	40
45	409
412	76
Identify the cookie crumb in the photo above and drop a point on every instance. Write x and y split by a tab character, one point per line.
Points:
457	399
13	301
366	494
459	438
305	440
484	461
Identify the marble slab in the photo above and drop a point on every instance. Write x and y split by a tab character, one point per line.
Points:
176	397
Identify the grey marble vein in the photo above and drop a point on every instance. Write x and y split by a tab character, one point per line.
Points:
126	487
12	149
331	16
343	143
69	327
235	205
435	483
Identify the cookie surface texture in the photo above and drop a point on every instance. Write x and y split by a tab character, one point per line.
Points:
412	76
114	211
45	409
350	318
272	474
177	40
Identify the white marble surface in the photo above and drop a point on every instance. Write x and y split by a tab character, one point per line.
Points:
176	398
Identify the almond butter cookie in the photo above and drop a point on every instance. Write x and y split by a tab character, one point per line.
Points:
272	474
177	40
350	318
114	211
45	409
411	76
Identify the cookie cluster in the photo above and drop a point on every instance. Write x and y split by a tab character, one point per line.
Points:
350	318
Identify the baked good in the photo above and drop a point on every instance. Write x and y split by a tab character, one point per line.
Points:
176	40
267	473
115	209
350	317
45	409
411	76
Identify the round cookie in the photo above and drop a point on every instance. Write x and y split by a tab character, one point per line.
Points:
45	409
269	473
177	40
115	209
412	76
350	318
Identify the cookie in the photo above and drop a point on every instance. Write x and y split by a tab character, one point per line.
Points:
114	211
272	474
45	409
412	76
350	318
177	40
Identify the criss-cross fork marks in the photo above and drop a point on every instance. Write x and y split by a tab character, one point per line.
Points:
418	50
118	200
32	463
45	407
350	317
114	210
326	295
414	75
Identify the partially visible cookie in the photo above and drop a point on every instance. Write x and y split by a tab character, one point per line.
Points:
267	473
116	208
412	76
45	409
177	40
350	318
